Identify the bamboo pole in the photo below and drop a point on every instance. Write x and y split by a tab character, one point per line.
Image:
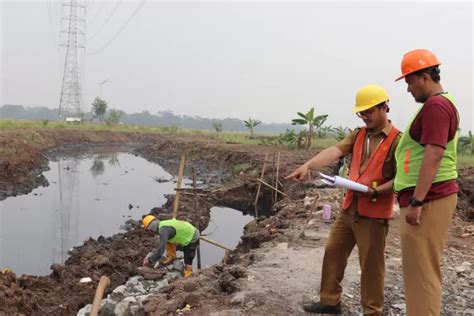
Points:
196	218
215	243
178	186
273	174
104	282
189	193
259	185
277	175
271	187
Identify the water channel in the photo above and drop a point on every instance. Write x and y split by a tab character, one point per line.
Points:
91	196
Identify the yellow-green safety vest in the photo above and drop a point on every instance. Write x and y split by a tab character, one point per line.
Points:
184	231
409	157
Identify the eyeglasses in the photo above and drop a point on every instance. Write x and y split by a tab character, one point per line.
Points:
366	113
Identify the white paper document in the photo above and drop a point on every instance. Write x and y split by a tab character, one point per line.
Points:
343	183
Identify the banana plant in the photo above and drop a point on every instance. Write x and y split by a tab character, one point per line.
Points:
312	121
251	124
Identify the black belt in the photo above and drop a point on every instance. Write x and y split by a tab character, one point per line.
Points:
357	216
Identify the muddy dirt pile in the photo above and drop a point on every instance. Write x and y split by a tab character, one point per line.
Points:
466	194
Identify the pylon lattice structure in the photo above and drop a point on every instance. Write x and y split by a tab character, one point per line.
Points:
71	95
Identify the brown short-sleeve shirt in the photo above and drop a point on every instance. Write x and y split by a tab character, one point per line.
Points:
373	140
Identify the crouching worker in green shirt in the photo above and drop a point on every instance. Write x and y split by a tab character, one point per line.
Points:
172	232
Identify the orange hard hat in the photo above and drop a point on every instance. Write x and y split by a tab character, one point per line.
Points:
416	60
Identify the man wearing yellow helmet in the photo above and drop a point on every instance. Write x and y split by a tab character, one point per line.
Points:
171	233
364	219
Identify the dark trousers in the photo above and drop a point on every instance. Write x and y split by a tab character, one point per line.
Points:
190	252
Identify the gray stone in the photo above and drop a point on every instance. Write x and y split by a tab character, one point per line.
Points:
250	304
135	309
172	275
147	284
121	309
400	306
134	281
119	292
464	267
138	289
178	265
141	299
85	311
107	307
129	299
238	298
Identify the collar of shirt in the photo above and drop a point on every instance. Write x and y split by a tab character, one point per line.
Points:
386	130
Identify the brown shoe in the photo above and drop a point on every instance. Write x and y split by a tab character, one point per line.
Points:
320	308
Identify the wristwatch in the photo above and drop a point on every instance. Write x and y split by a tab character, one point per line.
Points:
414	202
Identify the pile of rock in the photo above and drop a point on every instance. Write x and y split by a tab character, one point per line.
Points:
129	299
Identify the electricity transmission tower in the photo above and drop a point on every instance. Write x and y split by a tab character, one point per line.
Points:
74	33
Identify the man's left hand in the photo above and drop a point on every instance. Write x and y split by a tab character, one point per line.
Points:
364	194
413	215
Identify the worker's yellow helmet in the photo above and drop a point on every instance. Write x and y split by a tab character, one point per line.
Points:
147	220
369	96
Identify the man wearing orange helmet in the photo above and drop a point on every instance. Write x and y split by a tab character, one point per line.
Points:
426	182
364	220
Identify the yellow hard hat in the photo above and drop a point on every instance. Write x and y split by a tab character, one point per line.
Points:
147	220
369	96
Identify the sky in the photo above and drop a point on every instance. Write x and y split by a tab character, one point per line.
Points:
264	60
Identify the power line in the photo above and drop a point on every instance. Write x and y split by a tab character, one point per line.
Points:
121	29
107	20
98	11
52	29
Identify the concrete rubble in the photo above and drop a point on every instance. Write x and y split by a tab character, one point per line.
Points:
129	298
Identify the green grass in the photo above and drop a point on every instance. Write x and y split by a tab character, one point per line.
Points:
465	160
321	143
6	125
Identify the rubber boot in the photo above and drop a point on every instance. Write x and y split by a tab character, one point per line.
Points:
188	270
170	254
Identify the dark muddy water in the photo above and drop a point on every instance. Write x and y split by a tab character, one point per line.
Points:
226	227
89	197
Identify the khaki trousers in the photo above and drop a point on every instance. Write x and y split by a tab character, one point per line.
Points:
369	236
422	252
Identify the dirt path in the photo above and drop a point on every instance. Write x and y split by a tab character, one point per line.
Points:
273	270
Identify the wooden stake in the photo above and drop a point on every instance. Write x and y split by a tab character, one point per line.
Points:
178	186
271	187
215	243
104	282
196	217
259	185
277	175
273	174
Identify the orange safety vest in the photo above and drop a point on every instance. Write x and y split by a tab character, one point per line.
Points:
383	206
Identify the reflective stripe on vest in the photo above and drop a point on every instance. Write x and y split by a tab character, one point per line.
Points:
184	231
383	206
409	157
